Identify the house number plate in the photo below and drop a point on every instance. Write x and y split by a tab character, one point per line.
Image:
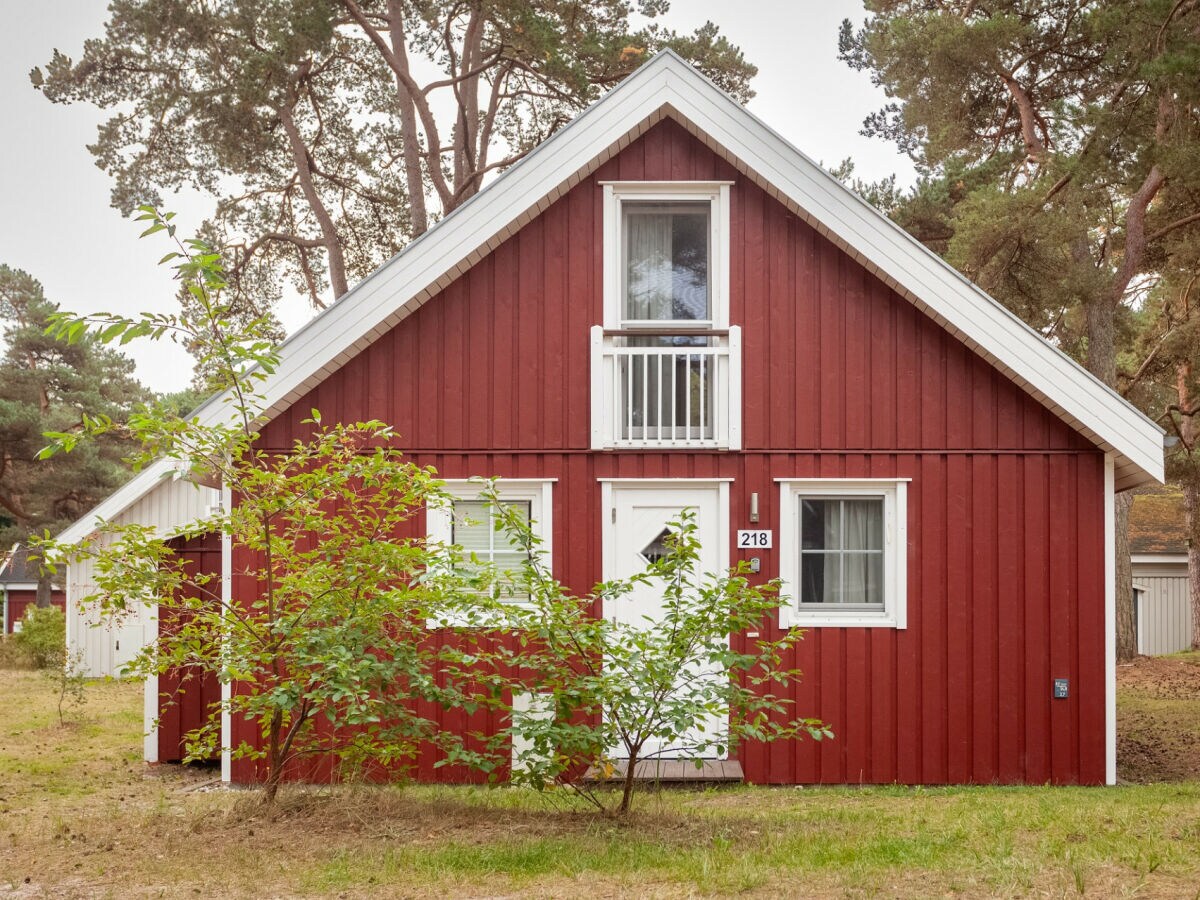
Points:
754	539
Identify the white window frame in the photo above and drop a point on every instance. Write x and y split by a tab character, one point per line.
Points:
894	493
538	492
717	194
727	413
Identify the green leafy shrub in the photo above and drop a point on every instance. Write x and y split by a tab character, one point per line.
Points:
601	691
43	636
14	654
328	647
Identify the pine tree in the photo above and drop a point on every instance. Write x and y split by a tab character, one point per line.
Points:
1057	141
46	385
332	132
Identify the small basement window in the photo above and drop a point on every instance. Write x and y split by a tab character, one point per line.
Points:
843	552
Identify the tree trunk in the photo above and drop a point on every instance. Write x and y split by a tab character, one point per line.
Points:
329	235
44	590
627	790
1191	503
1191	495
1100	316
274	759
418	215
1126	623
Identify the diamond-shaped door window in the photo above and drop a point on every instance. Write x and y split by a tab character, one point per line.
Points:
657	548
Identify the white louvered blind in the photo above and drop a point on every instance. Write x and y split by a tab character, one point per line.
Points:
475	528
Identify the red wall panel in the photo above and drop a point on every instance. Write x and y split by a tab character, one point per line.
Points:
842	378
187	696
21	600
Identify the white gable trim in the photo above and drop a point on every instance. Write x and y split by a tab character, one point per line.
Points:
669	86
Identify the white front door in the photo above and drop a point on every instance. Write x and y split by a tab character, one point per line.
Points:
636	517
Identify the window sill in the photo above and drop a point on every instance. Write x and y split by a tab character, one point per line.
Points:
480	620
652	444
790	618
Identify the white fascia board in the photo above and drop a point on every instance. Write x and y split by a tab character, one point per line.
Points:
1110	622
1067	388
1158	559
119	500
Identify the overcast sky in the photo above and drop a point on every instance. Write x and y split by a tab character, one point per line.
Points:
56	222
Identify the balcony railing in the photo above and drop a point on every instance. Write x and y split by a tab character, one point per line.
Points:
655	387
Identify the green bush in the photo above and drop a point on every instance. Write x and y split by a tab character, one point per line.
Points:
44	635
14	654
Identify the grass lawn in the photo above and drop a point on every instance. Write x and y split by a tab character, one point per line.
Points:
81	816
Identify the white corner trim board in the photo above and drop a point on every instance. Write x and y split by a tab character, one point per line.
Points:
1110	621
226	686
668	86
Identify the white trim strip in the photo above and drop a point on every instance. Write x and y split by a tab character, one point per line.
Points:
1110	622
150	697
464	483
226	687
1159	559
669	186
847	481
668	482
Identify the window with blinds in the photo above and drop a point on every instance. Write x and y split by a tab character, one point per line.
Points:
477	530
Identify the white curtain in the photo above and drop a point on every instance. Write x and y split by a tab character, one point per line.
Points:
831	584
650	270
862	529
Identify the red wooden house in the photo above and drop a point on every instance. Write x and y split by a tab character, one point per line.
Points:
18	587
668	305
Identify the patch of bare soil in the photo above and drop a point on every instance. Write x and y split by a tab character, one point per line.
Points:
1158	719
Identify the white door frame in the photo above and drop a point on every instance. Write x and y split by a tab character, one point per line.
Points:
609	488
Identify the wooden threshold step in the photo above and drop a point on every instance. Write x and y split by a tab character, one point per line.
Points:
674	771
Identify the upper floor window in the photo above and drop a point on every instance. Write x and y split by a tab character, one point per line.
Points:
666	254
666	363
667	247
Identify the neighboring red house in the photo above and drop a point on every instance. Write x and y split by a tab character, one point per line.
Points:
667	305
18	582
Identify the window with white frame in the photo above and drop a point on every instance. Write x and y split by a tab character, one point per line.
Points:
842	546
472	525
666	247
666	362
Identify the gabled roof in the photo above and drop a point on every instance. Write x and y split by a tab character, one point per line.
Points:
17	568
668	86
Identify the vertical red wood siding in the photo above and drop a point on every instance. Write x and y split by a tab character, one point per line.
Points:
842	378
21	600
187	696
